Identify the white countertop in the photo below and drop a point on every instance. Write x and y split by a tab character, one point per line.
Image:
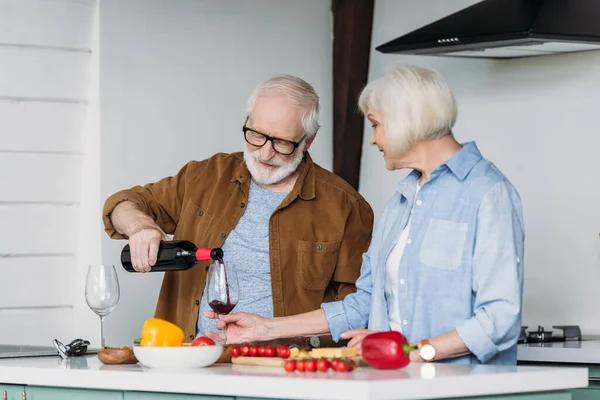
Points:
579	352
416	381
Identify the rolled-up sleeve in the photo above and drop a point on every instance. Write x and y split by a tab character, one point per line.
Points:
497	275
160	200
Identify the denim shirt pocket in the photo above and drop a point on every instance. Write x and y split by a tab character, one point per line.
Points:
443	243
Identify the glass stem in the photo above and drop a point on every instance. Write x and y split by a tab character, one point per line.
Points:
102	331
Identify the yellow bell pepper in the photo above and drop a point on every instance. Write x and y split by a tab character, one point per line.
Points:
158	332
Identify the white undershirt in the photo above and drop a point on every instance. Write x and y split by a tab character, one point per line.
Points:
391	276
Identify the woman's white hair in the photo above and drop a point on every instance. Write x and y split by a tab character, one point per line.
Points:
300	93
415	104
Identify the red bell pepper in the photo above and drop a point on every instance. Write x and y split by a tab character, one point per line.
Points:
386	350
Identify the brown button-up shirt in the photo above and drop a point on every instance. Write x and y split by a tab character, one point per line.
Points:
317	235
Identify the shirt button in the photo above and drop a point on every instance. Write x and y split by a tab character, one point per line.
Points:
402	281
419	202
242	205
200	213
408	241
404	322
197	302
223	234
192	337
319	247
518	260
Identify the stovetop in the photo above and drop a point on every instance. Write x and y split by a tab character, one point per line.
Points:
565	333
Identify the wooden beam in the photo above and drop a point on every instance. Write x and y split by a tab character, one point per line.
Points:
352	26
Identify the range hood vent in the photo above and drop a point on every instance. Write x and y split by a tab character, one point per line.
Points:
507	29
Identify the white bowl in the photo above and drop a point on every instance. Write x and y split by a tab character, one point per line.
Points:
180	357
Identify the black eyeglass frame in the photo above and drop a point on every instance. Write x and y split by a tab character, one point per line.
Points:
245	129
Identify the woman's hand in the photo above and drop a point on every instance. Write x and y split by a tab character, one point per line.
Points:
356	336
238	328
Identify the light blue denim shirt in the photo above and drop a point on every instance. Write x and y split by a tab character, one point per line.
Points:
462	268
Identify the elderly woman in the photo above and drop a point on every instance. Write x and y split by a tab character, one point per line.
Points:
445	265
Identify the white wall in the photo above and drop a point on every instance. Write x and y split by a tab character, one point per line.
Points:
174	78
537	120
44	62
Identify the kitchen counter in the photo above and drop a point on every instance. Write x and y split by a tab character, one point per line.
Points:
416	381
576	352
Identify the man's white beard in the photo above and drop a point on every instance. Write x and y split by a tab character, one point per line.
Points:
271	176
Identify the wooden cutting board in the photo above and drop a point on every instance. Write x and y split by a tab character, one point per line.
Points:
278	362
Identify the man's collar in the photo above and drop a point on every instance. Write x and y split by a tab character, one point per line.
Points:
307	180
241	173
305	185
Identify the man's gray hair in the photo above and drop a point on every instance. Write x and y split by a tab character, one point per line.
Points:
415	104
300	93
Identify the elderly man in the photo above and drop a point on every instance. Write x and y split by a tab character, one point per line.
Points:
294	232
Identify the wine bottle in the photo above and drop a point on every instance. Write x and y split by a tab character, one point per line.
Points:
175	255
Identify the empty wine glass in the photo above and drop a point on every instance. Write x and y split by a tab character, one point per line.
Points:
221	291
102	292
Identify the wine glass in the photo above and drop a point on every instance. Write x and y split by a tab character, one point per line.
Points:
221	291
102	292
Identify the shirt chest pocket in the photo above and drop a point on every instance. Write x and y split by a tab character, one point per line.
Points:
197	222
444	243
317	263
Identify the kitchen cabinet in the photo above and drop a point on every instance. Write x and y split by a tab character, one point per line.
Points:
11	392
48	393
15	392
169	396
526	396
589	393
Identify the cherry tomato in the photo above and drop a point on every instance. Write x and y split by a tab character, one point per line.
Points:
344	367
310	365
300	365
235	351
261	351
203	341
269	351
283	351
289	365
322	365
333	363
245	350
253	352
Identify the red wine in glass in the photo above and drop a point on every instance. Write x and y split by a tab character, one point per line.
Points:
222	292
220	307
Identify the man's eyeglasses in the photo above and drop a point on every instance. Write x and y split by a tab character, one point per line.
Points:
281	146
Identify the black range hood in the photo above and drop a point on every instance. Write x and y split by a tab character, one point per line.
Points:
507	29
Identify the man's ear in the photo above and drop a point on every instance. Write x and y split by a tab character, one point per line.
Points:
309	141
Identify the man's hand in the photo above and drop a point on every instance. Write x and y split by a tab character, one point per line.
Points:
356	336
143	246
143	232
238	328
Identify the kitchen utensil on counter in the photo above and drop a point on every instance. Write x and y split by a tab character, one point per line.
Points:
112	355
306	342
77	347
221	290
173	255
102	292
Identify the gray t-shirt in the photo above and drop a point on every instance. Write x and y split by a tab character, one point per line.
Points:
247	250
